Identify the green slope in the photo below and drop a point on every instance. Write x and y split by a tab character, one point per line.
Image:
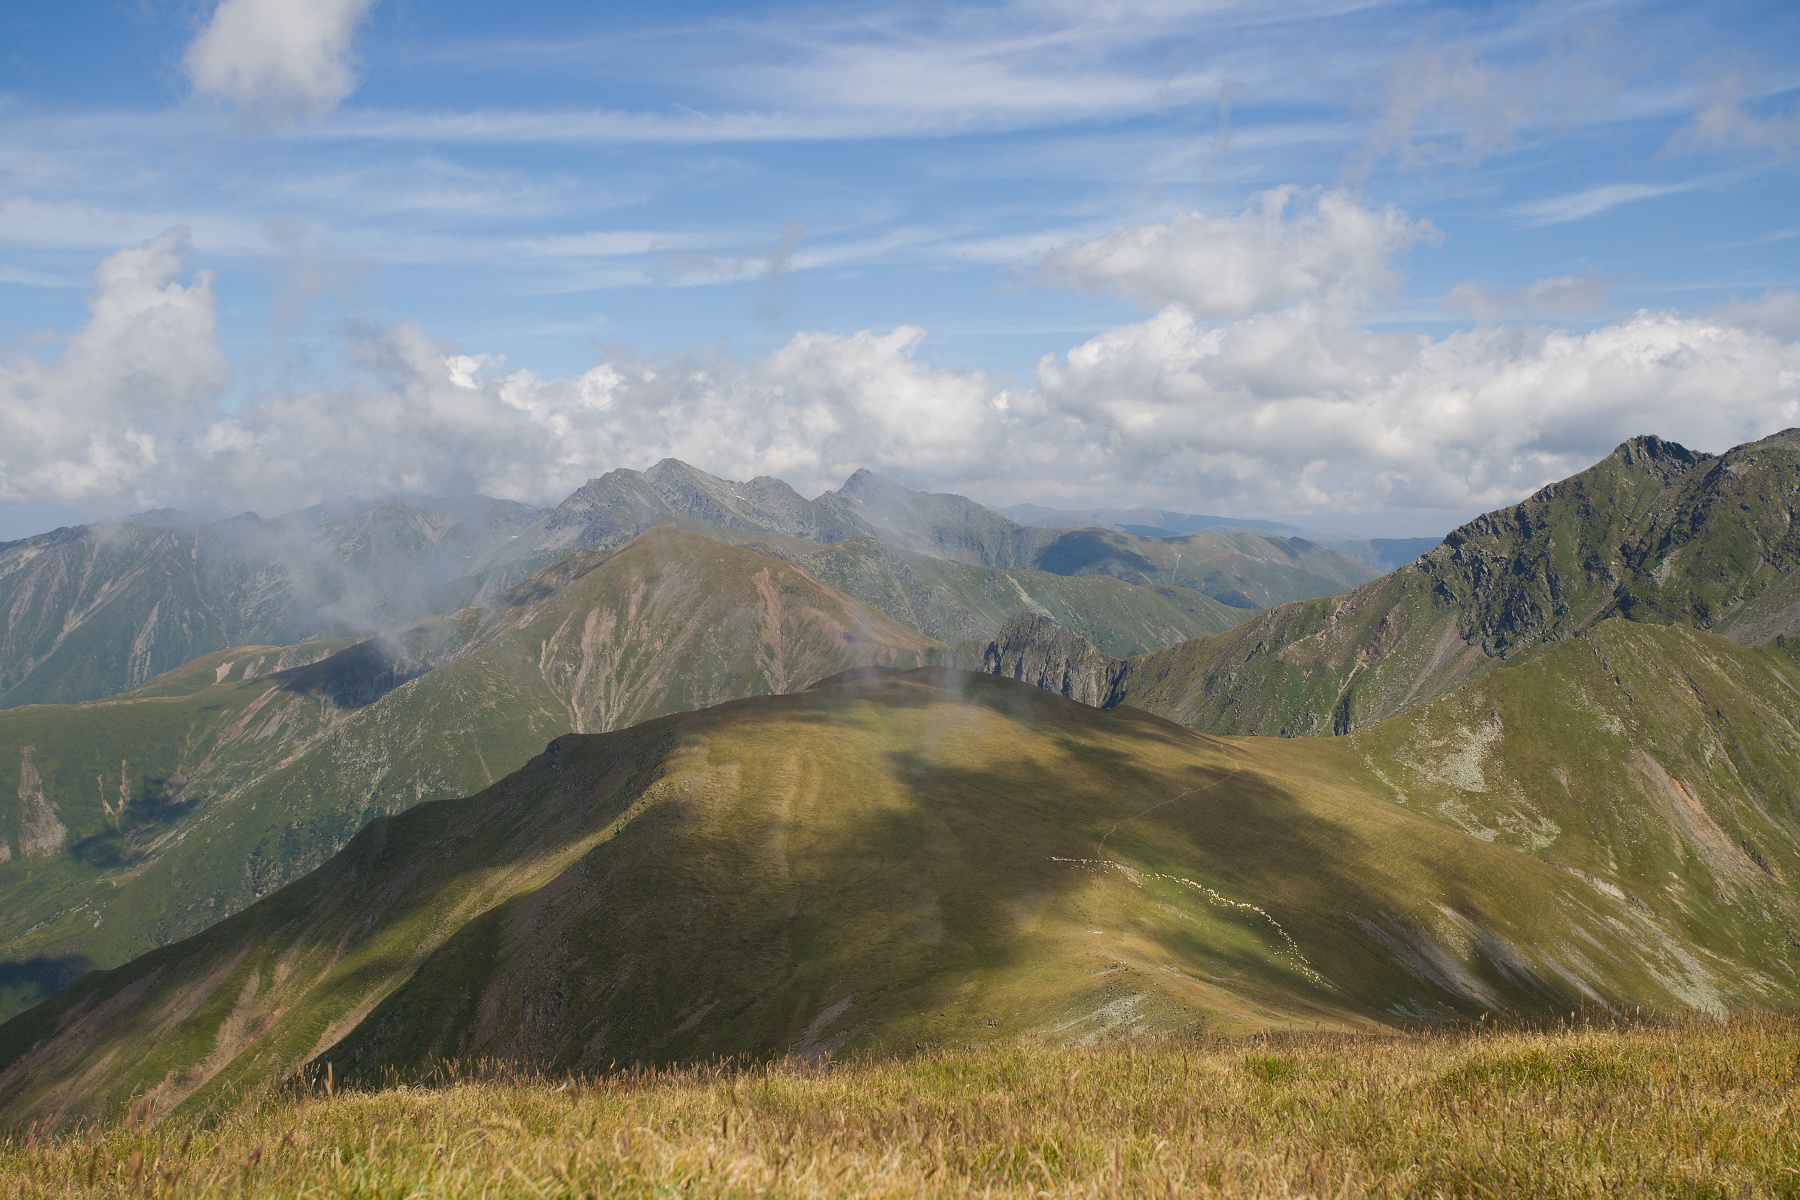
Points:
956	602
233	786
1653	532
933	857
1244	570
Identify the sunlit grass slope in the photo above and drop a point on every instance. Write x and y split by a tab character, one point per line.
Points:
132	822
896	862
1699	1109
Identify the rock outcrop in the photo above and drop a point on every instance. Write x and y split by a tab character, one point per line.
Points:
1036	650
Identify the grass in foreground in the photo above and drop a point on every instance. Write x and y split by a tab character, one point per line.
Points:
1698	1108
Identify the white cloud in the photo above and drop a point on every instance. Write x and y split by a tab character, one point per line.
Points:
1303	410
1291	245
130	413
1576	205
278	58
425	419
1726	122
108	412
1447	103
1295	410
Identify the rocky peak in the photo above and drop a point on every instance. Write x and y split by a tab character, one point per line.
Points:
1656	456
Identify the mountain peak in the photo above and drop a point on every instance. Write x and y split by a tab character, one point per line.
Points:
674	466
866	482
1658	456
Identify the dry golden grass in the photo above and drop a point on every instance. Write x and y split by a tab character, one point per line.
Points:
1696	1108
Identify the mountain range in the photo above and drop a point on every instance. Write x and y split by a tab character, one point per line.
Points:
892	860
96	610
806	790
1382	553
141	818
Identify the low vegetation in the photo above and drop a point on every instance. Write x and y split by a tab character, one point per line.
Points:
1691	1108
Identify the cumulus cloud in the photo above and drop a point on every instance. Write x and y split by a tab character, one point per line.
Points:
1302	410
109	411
1291	244
1294	410
278	58
423	418
132	412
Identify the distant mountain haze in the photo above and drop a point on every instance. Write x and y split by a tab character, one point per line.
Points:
96	610
1382	553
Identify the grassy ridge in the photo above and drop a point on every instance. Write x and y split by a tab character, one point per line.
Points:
1698	1109
935	858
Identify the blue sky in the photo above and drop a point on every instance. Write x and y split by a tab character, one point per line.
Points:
1373	265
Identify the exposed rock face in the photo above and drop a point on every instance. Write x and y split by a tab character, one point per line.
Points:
40	832
1036	650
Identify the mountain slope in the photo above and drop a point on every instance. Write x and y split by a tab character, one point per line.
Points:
1653	532
956	602
131	822
934	857
97	610
94	611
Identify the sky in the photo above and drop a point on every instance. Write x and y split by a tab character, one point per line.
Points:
1360	265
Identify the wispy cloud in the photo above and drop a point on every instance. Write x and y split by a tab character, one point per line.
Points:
1577	205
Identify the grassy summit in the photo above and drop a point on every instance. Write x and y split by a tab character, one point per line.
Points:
893	862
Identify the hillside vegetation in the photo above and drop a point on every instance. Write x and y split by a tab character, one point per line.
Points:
1698	1108
897	861
128	823
960	603
1654	532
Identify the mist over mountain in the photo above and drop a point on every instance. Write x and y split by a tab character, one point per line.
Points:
95	610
